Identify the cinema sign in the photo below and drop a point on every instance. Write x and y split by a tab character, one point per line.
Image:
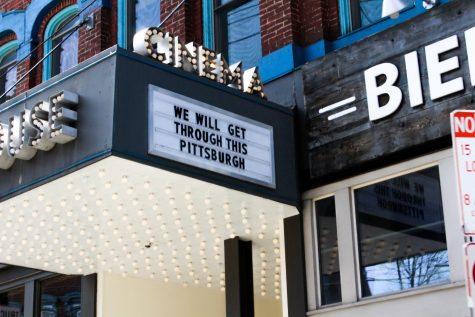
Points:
168	49
40	128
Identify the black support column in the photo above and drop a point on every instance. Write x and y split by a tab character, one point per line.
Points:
295	267
88	295
239	280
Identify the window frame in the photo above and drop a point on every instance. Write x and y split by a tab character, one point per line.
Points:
5	50
355	231
132	20
350	19
38	290
221	25
56	22
12	277
317	251
350	274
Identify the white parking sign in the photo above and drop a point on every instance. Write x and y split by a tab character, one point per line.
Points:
463	135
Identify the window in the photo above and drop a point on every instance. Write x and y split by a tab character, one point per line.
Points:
66	55
8	73
238	31
147	14
401	233
355	14
11	302
330	284
60	296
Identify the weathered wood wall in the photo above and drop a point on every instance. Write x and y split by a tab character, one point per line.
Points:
353	144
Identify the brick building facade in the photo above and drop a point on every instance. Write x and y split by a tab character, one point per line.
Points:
350	176
282	23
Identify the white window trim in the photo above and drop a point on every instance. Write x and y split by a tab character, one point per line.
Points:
347	235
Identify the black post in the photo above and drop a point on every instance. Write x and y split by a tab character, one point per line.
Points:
295	267
88	295
239	283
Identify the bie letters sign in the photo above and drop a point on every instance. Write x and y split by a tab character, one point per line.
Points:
437	68
198	134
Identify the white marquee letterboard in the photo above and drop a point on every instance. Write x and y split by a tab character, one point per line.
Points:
198	134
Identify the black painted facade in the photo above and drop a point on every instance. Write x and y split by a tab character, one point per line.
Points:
353	144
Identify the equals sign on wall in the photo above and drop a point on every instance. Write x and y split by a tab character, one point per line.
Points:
338	105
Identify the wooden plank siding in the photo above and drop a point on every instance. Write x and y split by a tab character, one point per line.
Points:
353	144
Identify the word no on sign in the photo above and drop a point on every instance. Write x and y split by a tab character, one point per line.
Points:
463	135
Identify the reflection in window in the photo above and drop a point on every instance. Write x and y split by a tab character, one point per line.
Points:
401	233
11	303
61	296
367	12
330	285
8	73
240	26
66	56
147	14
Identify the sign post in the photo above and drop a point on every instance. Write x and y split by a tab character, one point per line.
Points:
463	137
470	273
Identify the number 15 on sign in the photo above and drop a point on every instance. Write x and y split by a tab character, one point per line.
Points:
463	136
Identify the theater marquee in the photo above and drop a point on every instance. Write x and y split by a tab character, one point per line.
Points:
194	58
198	134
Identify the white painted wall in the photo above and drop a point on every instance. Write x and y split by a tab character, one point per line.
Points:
135	297
449	301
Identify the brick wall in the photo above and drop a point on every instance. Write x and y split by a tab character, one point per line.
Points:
283	22
10	36
319	20
302	22
9	5
280	24
101	37
186	22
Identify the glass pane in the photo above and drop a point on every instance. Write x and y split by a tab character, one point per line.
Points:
11	303
69	52
371	10
10	80
61	296
244	34
66	56
401	233
330	285
147	14
8	74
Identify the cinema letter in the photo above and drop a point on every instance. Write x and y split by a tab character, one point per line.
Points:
436	68
373	91
414	84
470	42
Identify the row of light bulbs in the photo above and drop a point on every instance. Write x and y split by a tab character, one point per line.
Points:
61	239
